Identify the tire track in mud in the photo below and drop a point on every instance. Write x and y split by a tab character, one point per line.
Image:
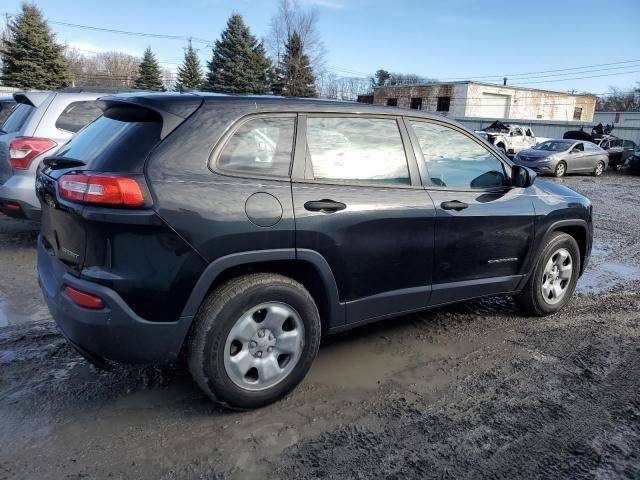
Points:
573	414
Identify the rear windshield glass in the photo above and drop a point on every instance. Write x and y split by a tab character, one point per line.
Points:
18	118
5	110
119	140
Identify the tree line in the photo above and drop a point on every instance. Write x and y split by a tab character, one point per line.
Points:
33	59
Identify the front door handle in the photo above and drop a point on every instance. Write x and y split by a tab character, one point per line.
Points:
456	205
326	206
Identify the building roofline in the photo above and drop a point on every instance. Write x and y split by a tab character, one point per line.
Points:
496	85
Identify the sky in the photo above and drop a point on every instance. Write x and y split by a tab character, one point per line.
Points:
446	40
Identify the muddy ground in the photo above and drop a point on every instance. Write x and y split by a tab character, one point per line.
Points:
470	391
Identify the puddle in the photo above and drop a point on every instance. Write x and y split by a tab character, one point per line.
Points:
354	364
606	276
12	314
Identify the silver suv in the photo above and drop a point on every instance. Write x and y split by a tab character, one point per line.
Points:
38	126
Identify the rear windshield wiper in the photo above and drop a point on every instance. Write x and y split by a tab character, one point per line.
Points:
63	162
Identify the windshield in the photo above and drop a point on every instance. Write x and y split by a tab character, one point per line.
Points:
17	118
551	146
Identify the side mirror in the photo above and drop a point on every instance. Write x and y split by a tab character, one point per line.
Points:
522	177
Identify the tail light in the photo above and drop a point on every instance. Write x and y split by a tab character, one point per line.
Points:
24	149
101	189
84	299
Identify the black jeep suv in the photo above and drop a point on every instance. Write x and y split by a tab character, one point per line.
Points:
241	229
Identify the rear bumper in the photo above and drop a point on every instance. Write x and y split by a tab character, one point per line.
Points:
114	332
20	190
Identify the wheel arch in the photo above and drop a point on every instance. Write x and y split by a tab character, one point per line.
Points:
577	228
305	266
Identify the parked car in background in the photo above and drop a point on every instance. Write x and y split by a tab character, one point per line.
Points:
6	105
39	124
509	138
632	163
619	150
241	229
557	157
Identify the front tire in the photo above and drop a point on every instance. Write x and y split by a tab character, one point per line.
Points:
254	340
554	278
599	169
561	169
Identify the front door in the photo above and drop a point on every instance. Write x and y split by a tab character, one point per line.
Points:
484	227
578	160
358	202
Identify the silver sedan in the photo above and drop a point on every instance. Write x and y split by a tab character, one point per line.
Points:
557	157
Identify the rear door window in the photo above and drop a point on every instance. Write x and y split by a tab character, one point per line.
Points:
455	160
347	149
262	146
119	140
78	114
18	118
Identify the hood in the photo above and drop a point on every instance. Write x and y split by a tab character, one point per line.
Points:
578	135
497	127
533	153
544	187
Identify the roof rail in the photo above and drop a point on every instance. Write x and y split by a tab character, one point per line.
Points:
97	90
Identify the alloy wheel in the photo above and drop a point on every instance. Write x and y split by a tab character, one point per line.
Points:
557	276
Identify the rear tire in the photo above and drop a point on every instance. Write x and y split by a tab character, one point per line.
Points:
561	169
599	169
553	279
241	351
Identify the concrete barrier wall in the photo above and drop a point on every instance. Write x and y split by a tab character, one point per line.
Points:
551	129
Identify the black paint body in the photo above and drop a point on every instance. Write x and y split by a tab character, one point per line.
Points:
391	250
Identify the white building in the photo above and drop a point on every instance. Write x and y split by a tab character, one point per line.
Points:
487	100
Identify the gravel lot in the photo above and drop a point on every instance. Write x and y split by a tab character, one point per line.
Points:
475	390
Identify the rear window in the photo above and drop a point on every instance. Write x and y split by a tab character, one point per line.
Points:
78	114
119	140
18	118
5	110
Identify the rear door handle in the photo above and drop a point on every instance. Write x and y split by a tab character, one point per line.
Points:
327	206
456	205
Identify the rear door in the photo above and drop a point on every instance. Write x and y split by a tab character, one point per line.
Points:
358	202
484	226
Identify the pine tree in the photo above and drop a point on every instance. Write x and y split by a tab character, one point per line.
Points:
262	66
149	75
239	63
298	79
31	58
190	73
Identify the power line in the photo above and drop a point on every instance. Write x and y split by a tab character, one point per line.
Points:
548	71
523	76
139	34
580	78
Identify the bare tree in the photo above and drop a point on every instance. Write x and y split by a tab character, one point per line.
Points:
291	17
618	100
104	69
